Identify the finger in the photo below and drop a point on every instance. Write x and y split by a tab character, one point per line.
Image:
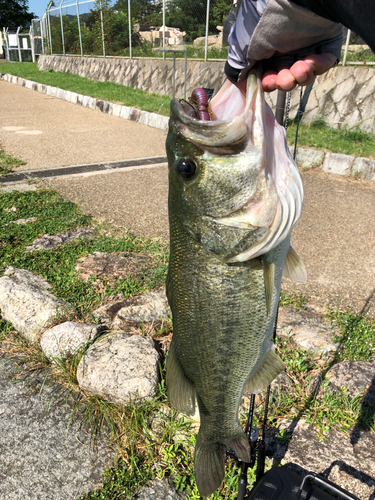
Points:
269	80
285	80
302	72
321	63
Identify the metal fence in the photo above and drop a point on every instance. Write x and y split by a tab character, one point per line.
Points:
140	28
132	28
18	46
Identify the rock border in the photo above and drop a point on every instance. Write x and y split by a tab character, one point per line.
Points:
333	163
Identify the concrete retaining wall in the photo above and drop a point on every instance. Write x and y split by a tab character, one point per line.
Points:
344	97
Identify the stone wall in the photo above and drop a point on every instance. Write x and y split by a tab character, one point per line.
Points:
344	96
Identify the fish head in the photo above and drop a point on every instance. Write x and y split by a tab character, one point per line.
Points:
227	176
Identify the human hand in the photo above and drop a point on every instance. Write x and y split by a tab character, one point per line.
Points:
300	73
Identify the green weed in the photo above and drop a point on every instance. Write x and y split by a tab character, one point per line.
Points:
318	135
357	335
54	215
294	299
8	162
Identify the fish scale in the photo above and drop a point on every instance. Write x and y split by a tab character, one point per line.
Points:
223	310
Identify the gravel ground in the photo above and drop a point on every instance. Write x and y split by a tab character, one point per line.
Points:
334	238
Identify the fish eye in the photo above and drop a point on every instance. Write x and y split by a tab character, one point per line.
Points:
186	168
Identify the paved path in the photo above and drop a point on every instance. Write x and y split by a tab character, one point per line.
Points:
46	132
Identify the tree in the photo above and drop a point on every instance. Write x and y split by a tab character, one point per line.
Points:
14	13
190	16
142	11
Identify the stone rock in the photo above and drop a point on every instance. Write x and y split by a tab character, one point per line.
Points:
110	265
306	330
337	163
309	158
26	303
65	339
120	367
346	459
23	221
365	168
158	490
135	311
355	376
282	384
46	242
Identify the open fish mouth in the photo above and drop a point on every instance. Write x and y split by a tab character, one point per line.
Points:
243	133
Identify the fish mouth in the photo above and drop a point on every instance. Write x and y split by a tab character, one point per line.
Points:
232	125
212	136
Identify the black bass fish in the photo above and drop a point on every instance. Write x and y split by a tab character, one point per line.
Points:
235	194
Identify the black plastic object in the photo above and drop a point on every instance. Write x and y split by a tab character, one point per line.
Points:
281	483
209	92
232	16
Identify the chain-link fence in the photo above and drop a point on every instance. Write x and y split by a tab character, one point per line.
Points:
134	28
141	28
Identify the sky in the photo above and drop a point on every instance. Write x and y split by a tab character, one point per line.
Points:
38	7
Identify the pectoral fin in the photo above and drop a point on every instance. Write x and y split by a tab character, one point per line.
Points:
267	372
294	268
181	391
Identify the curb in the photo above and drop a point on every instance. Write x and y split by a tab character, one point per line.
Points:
151	119
333	163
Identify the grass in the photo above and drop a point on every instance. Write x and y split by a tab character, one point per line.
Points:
7	162
55	215
359	56
107	91
152	440
318	135
357	335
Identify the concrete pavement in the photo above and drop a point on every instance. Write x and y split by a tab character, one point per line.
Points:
46	132
335	236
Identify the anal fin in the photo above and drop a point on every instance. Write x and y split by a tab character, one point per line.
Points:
294	268
267	372
181	391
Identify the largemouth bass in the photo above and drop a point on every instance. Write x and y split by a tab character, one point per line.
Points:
235	194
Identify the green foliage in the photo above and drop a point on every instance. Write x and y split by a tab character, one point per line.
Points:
14	13
143	11
294	299
357	335
7	162
190	16
55	215
318	135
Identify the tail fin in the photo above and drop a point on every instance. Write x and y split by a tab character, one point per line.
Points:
209	460
209	464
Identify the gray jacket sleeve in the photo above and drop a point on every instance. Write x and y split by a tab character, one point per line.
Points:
280	31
